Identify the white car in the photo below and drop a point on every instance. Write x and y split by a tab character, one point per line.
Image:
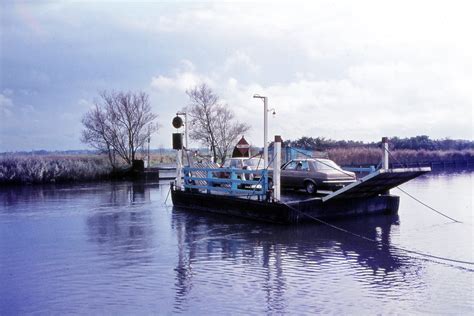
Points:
245	164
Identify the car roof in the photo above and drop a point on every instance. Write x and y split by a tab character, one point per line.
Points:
243	158
311	159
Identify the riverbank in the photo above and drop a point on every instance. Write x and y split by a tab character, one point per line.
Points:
26	169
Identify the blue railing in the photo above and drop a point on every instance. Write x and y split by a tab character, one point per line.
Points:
226	180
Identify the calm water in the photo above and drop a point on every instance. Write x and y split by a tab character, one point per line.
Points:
116	248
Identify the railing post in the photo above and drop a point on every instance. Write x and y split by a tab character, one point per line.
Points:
233	176
276	167
209	183
385	165
265	181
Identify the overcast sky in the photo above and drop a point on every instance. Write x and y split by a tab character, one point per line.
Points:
343	70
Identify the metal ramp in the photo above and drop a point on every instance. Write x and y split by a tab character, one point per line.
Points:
377	182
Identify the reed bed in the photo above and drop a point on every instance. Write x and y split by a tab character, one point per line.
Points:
45	169
372	156
160	158
15	168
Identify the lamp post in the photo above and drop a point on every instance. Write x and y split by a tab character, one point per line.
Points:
265	129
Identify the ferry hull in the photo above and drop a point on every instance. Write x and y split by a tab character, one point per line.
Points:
286	213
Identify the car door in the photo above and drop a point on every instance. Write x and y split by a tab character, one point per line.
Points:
288	174
301	173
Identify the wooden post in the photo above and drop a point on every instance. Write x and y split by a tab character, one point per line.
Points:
179	169
385	157
385	165
276	168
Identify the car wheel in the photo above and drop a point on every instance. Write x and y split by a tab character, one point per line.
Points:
310	187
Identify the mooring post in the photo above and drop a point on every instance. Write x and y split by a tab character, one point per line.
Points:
385	153
276	168
385	157
265	133
179	168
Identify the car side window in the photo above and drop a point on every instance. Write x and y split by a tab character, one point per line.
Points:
292	165
304	166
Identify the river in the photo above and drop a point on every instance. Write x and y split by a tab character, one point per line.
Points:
117	248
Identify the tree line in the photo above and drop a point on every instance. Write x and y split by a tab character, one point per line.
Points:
415	143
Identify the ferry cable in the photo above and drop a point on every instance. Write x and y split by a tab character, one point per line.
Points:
418	200
424	204
167	195
426	256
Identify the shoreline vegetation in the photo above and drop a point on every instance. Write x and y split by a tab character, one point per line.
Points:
57	168
66	168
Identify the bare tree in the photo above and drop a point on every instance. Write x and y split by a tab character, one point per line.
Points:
213	124
119	124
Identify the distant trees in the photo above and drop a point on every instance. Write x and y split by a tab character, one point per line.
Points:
119	124
213	123
414	143
321	143
424	142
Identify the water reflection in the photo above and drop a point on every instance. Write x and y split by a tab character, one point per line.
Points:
121	225
11	196
210	237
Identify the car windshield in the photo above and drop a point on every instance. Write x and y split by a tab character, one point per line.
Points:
233	163
253	162
326	164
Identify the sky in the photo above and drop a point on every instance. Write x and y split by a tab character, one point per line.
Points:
354	70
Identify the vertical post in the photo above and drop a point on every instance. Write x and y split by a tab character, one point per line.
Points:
385	157
265	129
148	161
276	168
265	132
209	183
385	153
185	135
179	169
233	176
186	129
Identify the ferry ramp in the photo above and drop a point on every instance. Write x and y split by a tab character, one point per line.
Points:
376	183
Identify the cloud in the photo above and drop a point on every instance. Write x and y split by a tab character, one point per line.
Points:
180	82
6	105
335	69
371	100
